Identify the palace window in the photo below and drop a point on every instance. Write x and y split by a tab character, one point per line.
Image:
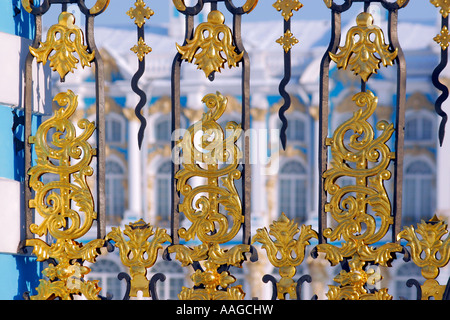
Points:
115	194
418	192
175	280
163	129
114	129
403	274
293	191
106	272
420	128
163	191
296	131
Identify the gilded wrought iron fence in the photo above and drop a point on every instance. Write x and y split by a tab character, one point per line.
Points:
353	218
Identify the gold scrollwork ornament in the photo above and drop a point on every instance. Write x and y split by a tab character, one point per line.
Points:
212	38
365	160
202	204
59	41
359	49
61	201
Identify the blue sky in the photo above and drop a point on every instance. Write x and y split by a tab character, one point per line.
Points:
312	9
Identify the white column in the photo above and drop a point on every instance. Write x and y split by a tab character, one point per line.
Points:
443	176
134	211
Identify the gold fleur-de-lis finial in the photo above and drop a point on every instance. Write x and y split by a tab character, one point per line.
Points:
213	38
360	48
63	39
140	12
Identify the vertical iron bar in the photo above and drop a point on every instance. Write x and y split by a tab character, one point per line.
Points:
442	87
176	116
282	90
100	120
245	86
28	111
400	122
323	117
142	96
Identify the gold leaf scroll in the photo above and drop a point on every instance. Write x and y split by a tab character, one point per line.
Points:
61	201
359	49
285	252
138	253
59	42
212	38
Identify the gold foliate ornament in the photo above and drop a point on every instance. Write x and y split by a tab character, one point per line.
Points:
59	41
429	252
211	157
328	3
138	253
445	6
216	285
287	41
443	39
359	49
286	7
140	13
141	49
60	202
213	38
364	160
285	253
